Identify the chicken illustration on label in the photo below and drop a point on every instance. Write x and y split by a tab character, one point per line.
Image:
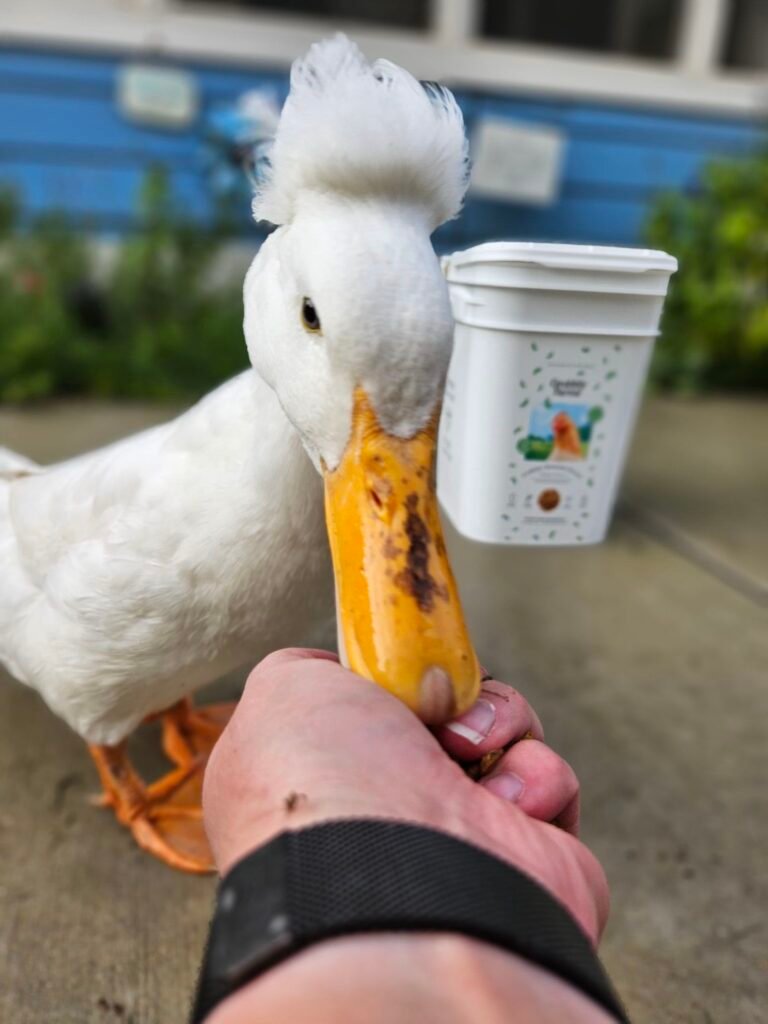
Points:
559	432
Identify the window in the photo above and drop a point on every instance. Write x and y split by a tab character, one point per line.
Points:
639	28
746	43
400	13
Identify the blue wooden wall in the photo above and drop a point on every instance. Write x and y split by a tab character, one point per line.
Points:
64	144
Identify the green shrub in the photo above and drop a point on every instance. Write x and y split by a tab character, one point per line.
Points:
146	324
715	327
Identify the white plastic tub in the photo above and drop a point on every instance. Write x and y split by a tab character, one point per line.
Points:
551	353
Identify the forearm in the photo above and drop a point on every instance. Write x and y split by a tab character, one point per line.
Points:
429	979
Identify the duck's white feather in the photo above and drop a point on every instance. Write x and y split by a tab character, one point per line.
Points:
359	129
134	574
13	465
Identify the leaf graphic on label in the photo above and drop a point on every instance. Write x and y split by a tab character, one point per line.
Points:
524	402
534	346
536	370
552	533
550	354
516	431
610	375
547	403
523	384
585	348
505	516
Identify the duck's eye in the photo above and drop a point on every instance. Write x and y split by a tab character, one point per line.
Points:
309	316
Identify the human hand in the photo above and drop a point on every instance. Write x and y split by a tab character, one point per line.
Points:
311	741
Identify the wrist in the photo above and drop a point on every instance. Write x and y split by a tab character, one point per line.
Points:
237	834
565	877
427	978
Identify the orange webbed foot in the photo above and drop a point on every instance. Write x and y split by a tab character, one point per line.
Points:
166	817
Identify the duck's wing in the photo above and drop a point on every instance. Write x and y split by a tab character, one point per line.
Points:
78	501
59	530
12	465
94	550
114	494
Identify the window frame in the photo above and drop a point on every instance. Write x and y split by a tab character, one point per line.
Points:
450	51
618	40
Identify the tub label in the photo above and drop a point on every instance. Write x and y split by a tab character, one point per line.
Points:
568	400
534	433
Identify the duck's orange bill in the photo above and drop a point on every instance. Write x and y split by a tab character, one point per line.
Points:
400	619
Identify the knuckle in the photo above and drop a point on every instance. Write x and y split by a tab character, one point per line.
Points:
277	658
557	771
567	776
269	666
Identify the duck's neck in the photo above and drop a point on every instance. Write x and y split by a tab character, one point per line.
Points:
278	447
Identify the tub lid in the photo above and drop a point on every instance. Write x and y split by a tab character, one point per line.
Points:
563	257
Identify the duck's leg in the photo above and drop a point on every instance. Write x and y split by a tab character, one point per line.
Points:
166	818
190	733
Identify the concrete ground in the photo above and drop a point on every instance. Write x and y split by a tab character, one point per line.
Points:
645	657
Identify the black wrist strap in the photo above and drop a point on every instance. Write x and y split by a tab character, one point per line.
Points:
356	876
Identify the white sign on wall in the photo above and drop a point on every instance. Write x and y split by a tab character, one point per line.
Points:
516	161
166	97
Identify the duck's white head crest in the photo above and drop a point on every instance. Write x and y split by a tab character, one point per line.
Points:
364	130
347	318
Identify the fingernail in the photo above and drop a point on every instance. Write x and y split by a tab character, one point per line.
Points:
436	701
507	785
476	723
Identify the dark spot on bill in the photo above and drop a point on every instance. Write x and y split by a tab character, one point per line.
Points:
416	579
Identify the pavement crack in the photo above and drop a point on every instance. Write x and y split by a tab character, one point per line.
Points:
665	532
63	786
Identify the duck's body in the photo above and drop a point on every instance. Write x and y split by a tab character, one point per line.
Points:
136	573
